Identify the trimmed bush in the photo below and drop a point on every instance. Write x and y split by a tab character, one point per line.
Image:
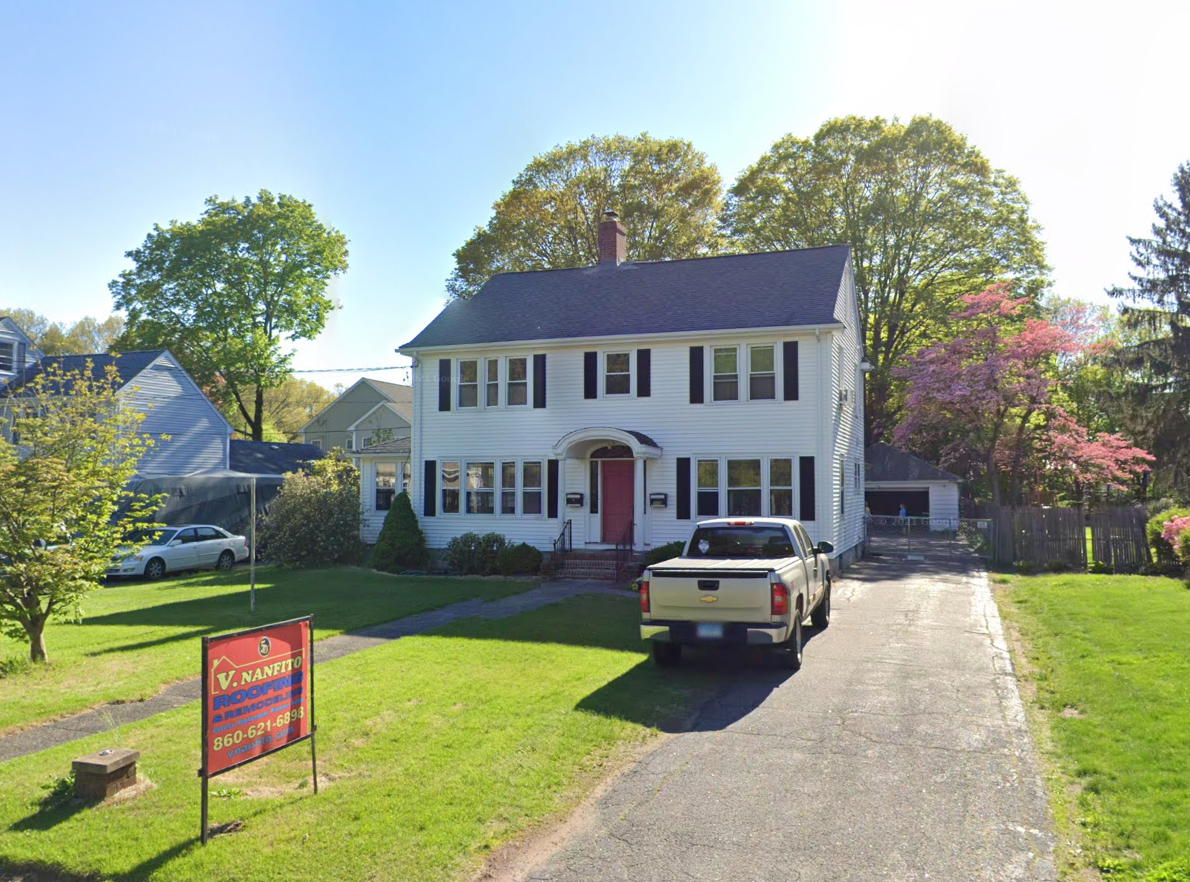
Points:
1182	546
401	545
474	555
663	552
518	560
1156	525
315	519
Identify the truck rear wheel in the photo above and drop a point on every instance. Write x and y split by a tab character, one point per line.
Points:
666	655
791	653
821	617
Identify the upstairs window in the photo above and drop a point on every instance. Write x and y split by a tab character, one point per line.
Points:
762	373
726	377
518	381
7	357
617	378
386	484
481	488
493	382
469	383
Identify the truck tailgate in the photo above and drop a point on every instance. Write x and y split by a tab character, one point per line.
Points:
686	595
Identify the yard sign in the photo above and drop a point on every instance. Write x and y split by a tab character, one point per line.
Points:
257	697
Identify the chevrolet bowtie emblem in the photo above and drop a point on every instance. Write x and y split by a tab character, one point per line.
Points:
709	599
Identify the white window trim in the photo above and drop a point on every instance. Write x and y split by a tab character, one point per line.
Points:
481	382
376	488
765	482
743	373
603	374
459	384
498	461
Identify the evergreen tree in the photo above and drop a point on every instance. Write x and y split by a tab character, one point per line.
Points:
401	545
1156	317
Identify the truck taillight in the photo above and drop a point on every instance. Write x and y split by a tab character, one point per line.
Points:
644	596
780	599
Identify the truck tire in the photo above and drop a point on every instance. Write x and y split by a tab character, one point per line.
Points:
666	655
821	617
791	653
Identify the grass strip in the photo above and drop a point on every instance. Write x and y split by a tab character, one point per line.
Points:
136	637
1110	658
433	750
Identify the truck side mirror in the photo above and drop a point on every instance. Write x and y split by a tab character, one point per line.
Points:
825	547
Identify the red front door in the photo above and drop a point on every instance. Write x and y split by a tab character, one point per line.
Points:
617	498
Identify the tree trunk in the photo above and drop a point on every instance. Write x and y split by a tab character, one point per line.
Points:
36	632
258	415
994	476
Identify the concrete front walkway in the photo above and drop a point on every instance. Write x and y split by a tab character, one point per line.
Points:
109	716
899	751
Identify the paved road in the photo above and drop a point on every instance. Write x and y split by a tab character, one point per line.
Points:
899	751
109	716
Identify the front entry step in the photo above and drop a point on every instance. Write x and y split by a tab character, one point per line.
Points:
588	566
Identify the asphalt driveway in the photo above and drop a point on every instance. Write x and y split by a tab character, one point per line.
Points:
899	751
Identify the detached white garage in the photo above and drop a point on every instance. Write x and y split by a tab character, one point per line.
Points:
894	478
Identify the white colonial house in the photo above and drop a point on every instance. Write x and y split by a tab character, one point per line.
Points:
623	402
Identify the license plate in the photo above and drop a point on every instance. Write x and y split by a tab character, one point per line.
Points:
709	631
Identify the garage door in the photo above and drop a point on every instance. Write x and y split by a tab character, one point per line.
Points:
889	502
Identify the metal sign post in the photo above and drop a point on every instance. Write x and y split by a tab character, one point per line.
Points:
252	553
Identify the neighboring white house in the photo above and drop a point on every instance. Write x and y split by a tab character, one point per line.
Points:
17	351
192	435
368	412
895	478
628	400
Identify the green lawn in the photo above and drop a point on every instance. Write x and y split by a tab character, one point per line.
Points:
432	750
136	637
1111	661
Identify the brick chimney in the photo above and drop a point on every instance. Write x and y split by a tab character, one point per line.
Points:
613	240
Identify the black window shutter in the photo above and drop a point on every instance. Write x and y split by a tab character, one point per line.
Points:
430	489
590	375
644	373
805	467
682	496
551	487
789	357
696	375
539	380
444	384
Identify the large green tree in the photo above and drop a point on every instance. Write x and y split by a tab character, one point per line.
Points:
64	506
1154	359
228	292
87	336
287	408
927	216
665	191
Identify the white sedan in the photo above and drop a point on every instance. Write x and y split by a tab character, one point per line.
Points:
153	553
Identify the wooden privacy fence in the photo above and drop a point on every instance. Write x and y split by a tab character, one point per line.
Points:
1042	537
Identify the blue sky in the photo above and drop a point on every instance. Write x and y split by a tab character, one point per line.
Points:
402	123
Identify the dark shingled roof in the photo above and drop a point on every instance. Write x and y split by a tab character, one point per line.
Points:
396	446
886	463
271	458
773	289
128	365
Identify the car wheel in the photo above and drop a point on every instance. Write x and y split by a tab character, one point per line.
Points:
791	654
155	568
666	655
821	617
226	561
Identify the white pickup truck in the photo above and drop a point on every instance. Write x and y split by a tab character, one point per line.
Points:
739	582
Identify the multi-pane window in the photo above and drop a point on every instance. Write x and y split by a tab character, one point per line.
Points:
743	487
386	484
531	488
450	488
481	488
781	488
7	356
469	383
762	373
726	378
493	382
508	488
708	488
518	381
618	374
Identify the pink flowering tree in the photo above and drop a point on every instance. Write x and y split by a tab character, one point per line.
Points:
982	402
